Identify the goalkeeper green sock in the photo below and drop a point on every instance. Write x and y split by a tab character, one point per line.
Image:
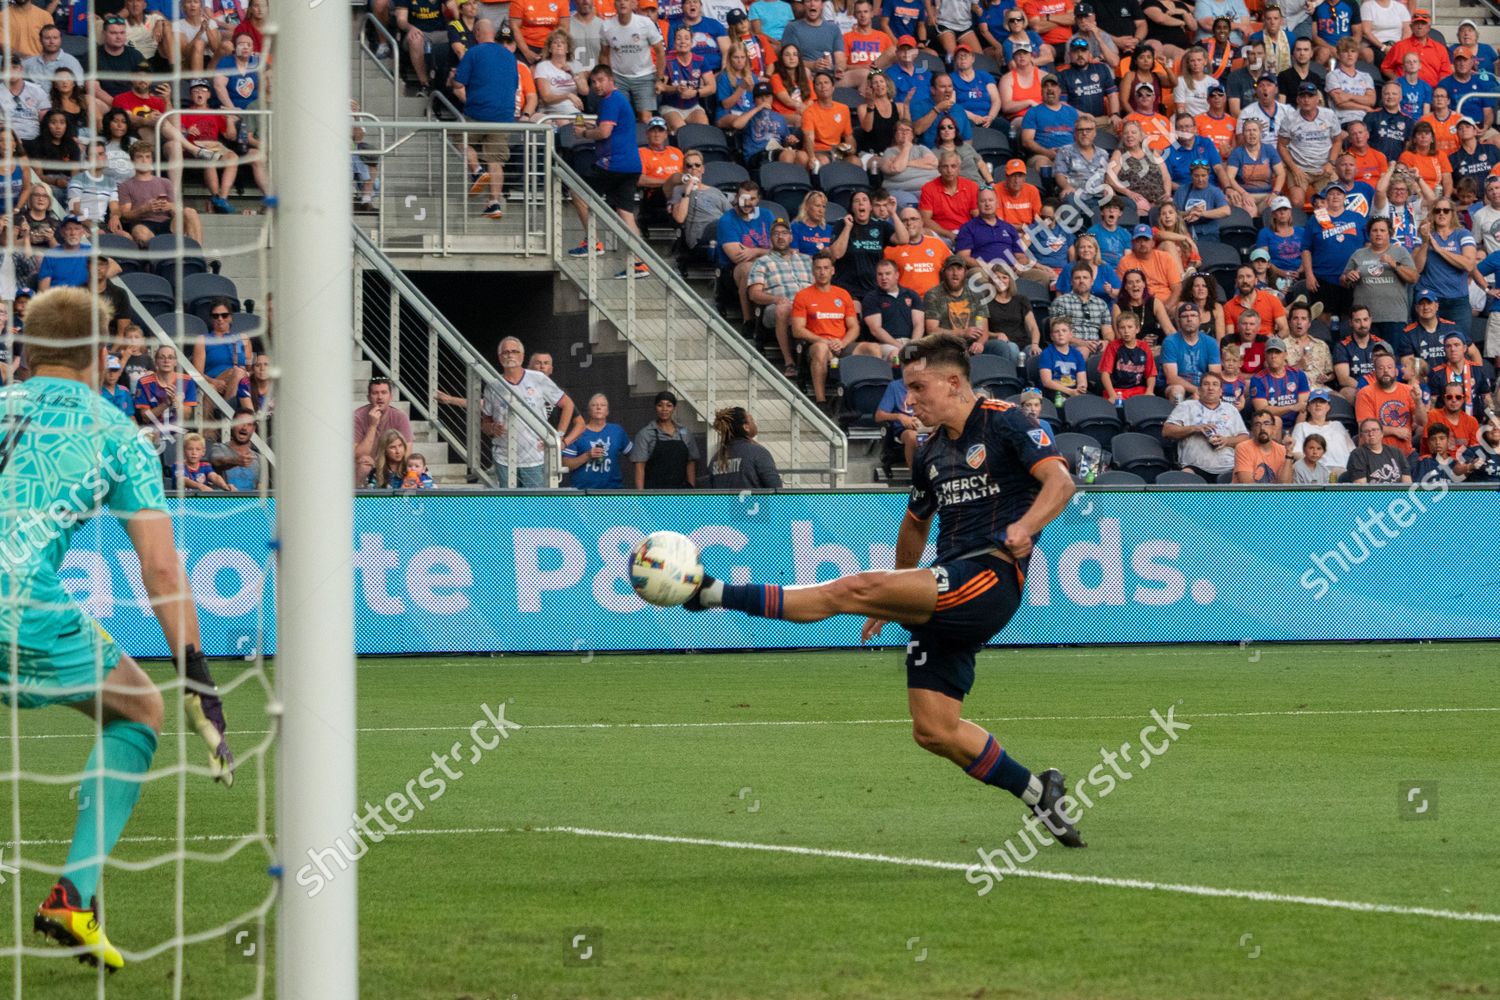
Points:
125	747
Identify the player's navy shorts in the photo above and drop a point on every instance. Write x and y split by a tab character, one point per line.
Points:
976	598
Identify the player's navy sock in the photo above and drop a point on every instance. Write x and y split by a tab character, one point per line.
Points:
760	599
995	767
125	747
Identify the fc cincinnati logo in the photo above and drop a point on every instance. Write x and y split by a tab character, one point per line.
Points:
975	456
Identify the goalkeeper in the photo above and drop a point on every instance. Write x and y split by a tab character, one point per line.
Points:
65	453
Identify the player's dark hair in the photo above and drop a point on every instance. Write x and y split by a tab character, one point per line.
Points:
731	424
938	349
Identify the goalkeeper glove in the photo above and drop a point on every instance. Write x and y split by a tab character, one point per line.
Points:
206	714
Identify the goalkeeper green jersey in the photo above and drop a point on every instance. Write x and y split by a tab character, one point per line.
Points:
65	454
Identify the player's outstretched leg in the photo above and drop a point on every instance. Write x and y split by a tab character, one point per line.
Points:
900	595
938	727
132	713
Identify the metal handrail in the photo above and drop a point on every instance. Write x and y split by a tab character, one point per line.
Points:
801	408
533	142
481	374
205	387
393	73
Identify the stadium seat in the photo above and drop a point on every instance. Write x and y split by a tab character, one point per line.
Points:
641	138
777	210
1129	214
933	63
864	380
1106	140
123	251
840	180
1221	261
1139	453
706	139
244	324
727	177
986	63
200	291
1034	372
1093	416
992	145
182	327
1091	366
1118	477
1238	230
995	374
1146	414
849	97
785	182
834	213
171	264
153	292
1069	445
1342	411
1180	477
1225	478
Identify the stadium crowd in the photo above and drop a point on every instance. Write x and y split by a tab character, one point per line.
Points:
108	103
1282	223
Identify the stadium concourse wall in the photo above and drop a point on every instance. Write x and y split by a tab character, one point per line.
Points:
546	571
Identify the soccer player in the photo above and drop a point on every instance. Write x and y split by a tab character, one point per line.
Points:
994	479
65	453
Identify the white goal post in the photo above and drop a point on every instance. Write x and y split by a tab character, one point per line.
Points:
317	935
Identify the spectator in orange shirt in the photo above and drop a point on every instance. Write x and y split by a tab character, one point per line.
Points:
919	261
1156	131
1263	458
661	169
826	319
533	21
1161	269
1248	296
950	200
827	125
1463	429
1434	55
866	47
1369	163
1444	120
1395	405
1020	201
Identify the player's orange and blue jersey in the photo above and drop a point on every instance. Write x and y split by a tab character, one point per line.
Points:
981	482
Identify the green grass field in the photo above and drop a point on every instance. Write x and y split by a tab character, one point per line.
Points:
1288	785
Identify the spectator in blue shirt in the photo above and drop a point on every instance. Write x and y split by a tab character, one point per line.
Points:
743	234
237	83
1332	20
111	389
1201	203
1114	239
942	102
977	92
1189	148
1468	38
617	162
1282	240
595	458
710	37
1064	368
1187	355
66	265
1445	261
1279	390
1047	127
770	18
486	81
1329	239
907	76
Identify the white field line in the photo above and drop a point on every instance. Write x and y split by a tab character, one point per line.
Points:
794	723
1146	885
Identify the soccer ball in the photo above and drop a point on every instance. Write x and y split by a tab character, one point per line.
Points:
664	568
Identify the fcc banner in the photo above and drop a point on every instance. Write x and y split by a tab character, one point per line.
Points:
489	573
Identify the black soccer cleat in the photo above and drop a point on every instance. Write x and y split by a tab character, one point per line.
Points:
1054	787
692	603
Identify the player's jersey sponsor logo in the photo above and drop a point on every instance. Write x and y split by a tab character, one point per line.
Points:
932	472
940	574
975	456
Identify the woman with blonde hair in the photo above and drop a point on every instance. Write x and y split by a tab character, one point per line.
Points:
390	462
1136	172
559	89
811	233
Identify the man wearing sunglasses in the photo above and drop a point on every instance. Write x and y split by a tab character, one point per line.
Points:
1463	429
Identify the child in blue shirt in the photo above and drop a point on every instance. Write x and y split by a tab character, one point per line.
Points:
113	391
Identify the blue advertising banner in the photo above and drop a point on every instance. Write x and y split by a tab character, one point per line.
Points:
519	573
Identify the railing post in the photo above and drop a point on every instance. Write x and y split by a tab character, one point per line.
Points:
669	340
432	370
473	393
394	343
711	380
359	300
